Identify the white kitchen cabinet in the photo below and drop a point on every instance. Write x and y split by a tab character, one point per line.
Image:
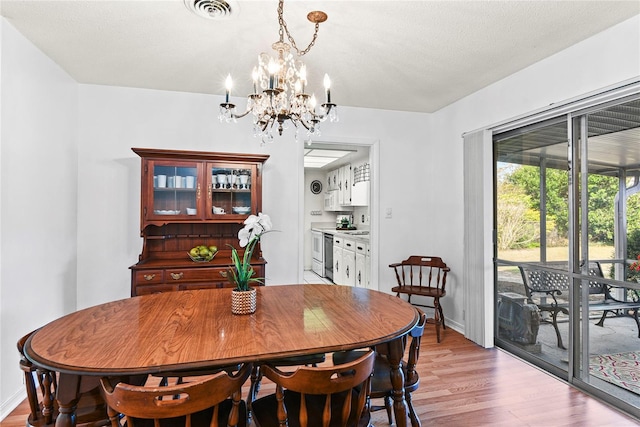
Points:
344	186
361	276
338	266
360	187
360	194
339	180
367	267
332	180
361	273
349	263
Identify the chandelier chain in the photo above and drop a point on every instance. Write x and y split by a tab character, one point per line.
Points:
283	29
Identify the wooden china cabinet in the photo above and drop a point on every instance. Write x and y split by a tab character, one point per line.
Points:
191	198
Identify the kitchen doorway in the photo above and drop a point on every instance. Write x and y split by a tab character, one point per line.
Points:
322	157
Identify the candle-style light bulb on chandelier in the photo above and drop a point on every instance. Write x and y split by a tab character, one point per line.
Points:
279	89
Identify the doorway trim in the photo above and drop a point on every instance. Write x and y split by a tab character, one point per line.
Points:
374	196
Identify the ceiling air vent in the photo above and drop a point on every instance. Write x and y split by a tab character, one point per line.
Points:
211	9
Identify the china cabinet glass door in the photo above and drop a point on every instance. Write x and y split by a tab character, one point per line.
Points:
231	188
175	189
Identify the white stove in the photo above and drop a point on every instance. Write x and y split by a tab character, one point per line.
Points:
317	253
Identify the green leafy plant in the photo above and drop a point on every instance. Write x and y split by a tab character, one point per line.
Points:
242	274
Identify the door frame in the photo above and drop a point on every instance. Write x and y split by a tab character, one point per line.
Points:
374	195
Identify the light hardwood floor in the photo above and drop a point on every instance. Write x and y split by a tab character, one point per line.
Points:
462	384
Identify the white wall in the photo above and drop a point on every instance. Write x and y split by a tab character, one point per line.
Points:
38	196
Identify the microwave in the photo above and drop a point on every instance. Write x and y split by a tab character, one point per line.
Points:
331	201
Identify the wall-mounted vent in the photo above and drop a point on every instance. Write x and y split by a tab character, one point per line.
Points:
212	9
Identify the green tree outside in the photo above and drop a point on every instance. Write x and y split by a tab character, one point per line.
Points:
602	191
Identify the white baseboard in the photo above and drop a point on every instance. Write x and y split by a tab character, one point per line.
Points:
12	403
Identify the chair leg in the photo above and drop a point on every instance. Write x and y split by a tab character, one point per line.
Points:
438	317
415	421
387	406
554	320
256	378
114	417
604	316
32	394
635	316
441	316
47	383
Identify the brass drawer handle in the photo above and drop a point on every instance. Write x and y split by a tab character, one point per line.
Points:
148	277
223	274
177	276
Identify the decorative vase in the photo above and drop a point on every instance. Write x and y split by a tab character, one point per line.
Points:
243	302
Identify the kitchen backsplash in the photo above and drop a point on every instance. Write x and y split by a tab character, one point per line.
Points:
361	216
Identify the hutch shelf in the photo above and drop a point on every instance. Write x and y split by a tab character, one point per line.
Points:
191	198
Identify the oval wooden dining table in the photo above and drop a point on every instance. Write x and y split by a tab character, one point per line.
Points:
195	329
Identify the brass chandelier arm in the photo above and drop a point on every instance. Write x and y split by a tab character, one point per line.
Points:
231	108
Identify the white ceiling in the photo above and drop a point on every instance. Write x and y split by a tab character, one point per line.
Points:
397	55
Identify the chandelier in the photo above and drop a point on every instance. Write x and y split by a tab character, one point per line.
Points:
279	89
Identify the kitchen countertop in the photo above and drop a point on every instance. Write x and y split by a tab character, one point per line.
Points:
351	234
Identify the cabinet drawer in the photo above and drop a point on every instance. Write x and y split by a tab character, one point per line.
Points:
214	274
149	276
361	248
349	245
155	289
201	285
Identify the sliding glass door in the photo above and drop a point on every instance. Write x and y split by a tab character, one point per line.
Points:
532	215
567	220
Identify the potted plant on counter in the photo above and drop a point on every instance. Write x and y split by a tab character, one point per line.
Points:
243	296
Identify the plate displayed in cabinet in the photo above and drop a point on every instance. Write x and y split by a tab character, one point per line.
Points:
166	212
243	210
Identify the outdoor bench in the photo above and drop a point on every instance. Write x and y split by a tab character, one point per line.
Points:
545	283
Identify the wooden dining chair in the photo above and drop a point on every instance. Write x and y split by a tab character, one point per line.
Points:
424	276
317	396
381	387
214	400
256	374
42	385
